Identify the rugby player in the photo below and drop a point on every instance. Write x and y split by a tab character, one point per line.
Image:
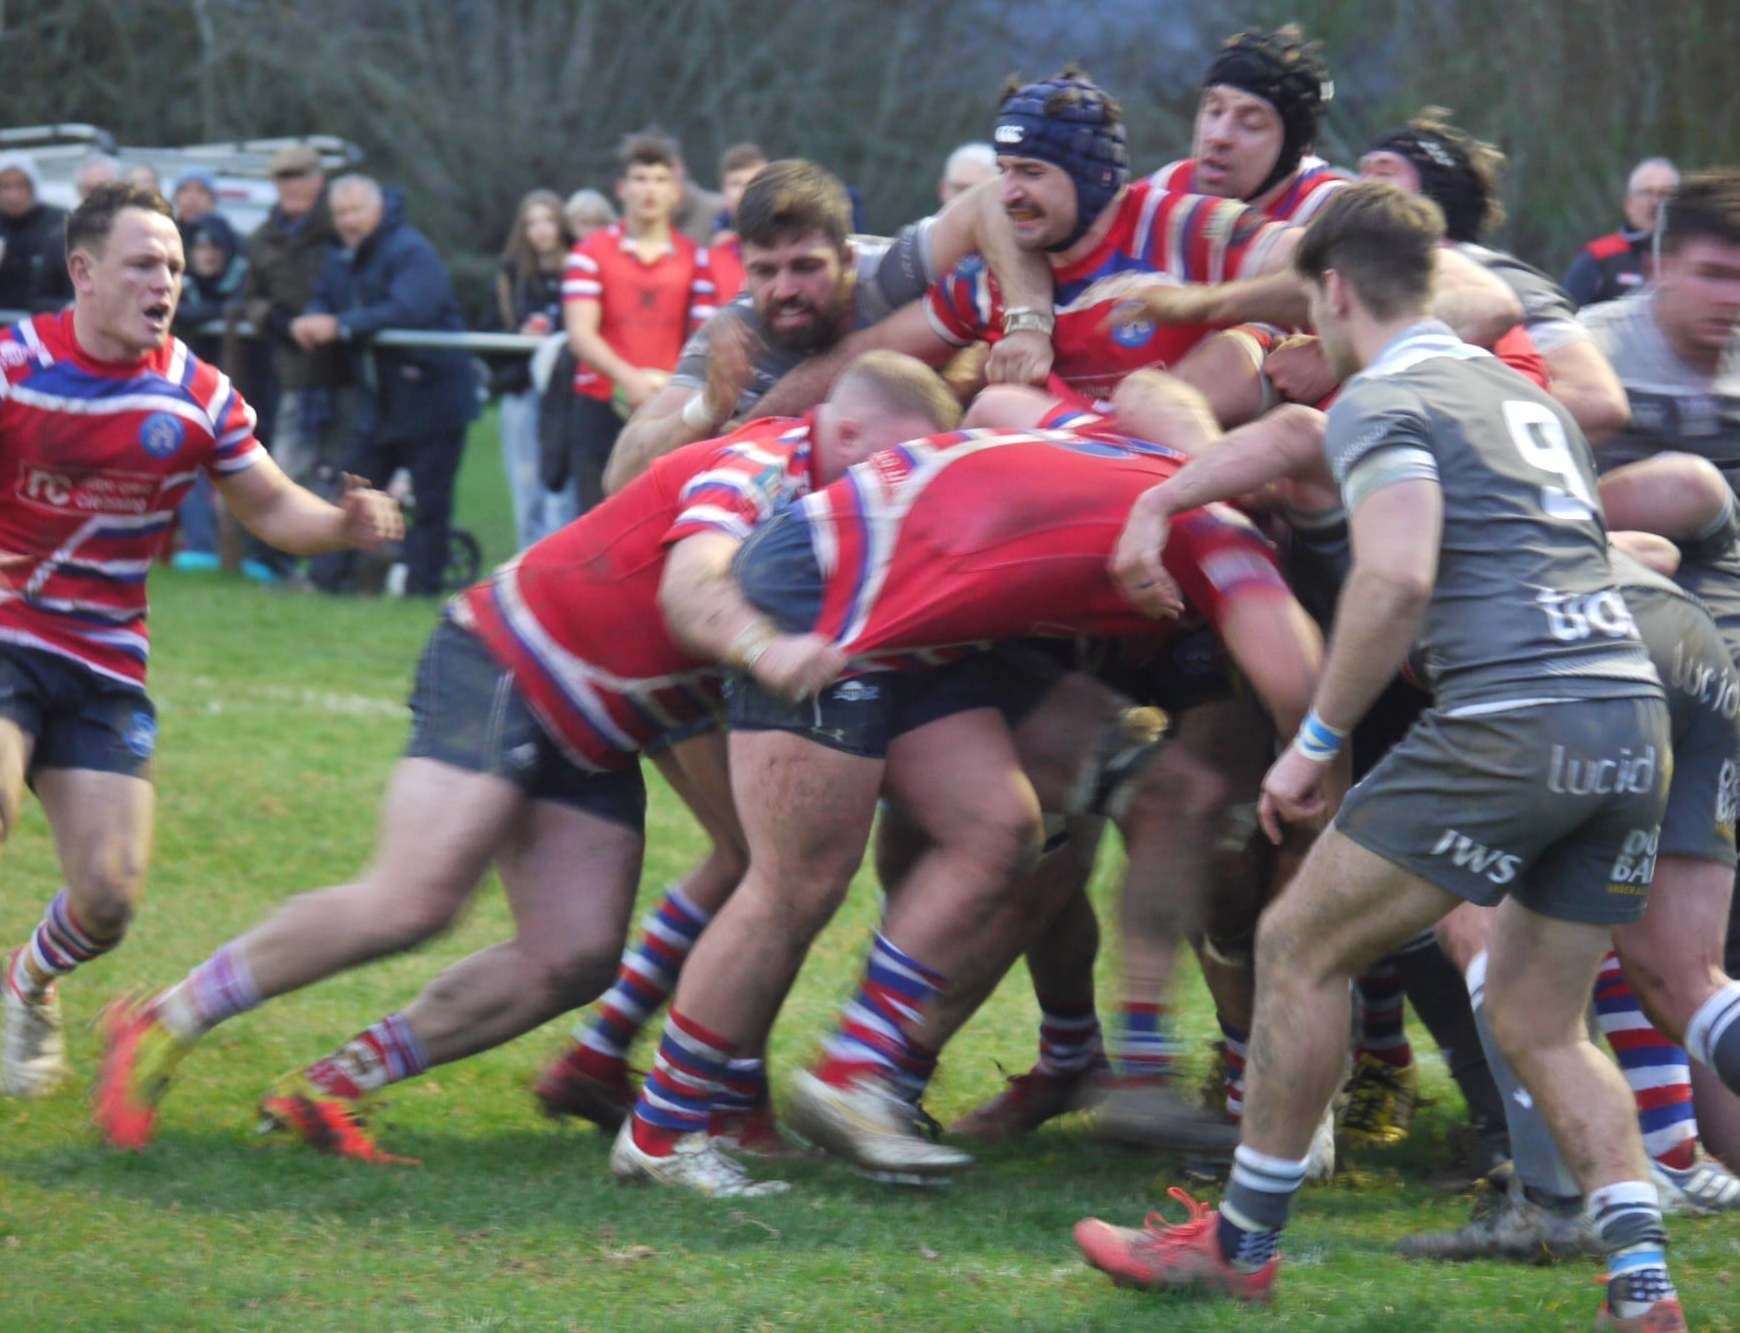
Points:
1462	488
534	697
807	284
107	420
1675	950
1256	125
1460	174
906	553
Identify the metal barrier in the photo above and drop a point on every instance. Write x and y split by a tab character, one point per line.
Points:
523	343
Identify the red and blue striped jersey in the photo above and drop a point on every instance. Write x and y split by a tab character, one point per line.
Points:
1295	198
1181	238
575	616
978	536
94	458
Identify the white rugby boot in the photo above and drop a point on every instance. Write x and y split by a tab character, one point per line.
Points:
695	1163
873	1128
33	1063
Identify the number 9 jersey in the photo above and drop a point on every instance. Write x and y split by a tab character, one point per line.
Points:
1525	606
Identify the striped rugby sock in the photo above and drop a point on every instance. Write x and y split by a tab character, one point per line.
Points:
679	1093
1713	1035
216	990
1253	1212
1236	1043
646	977
1380	999
874	1035
1659	1072
1069	1039
1628	1225
383	1054
1142	1045
57	946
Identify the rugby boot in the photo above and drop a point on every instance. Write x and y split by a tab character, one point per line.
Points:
1027	1102
696	1162
1150	1113
1162	1256
33	1062
754	1133
139	1058
1380	1103
872	1127
1703	1188
1507	1224
579	1083
325	1122
1662	1317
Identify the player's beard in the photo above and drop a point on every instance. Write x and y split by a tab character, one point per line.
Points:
820	332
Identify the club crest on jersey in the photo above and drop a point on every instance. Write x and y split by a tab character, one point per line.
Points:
162	434
1136	333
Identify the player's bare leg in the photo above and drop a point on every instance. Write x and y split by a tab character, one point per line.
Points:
960	781
440	826
590	1078
102	831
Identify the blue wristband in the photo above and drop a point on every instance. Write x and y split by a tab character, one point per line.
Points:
1317	740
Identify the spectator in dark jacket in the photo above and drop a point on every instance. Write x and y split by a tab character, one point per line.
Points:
210	289
417	400
285	255
33	272
1620	262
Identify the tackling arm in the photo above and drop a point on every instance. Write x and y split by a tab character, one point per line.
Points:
907	330
1479	307
707	613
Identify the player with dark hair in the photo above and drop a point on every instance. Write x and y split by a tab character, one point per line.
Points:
1462	487
1262	102
106	419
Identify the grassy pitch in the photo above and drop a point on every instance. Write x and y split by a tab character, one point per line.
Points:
281	715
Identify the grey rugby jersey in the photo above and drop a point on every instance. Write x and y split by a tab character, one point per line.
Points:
1673	405
1524	605
889	274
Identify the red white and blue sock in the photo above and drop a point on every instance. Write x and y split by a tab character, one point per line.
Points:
1069	1039
645	979
385	1053
874	1036
218	989
1381	1004
1142	1045
679	1094
743	1088
1236	1043
1659	1072
57	946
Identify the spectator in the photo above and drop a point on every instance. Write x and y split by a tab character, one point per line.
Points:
211	288
631	294
1676	343
33	272
966	167
1618	263
145	176
195	203
529	298
698	208
585	212
725	253
419	400
97	169
285	255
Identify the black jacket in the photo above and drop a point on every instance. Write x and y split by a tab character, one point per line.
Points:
396	280
33	272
